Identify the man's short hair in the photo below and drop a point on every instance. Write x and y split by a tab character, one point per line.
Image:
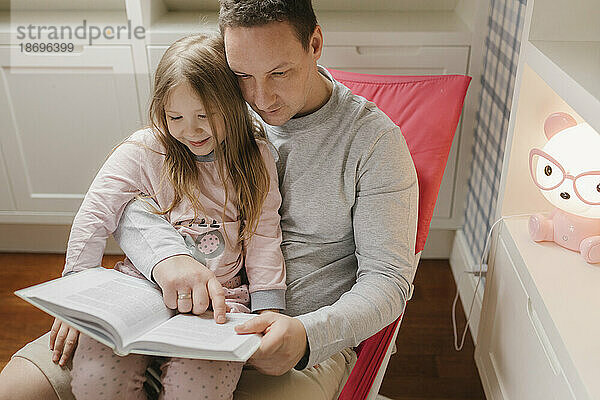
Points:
248	13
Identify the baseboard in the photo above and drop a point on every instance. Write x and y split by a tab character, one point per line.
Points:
26	238
439	244
461	260
29	238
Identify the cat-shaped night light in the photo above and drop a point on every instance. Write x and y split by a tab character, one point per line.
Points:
567	172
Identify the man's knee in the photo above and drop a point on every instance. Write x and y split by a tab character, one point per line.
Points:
321	383
22	380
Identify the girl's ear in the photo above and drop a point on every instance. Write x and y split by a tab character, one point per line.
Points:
557	122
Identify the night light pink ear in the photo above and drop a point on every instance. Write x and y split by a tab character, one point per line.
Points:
557	122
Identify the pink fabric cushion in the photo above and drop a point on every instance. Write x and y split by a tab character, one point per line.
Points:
427	110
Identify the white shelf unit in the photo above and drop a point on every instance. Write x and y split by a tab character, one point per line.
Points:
63	5
538	332
572	69
407	37
340	27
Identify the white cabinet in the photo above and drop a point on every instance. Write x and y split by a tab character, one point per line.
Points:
6	199
60	116
538	333
61	112
520	360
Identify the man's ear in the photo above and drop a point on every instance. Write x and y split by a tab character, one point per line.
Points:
316	43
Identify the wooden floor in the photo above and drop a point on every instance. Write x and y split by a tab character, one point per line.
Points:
426	366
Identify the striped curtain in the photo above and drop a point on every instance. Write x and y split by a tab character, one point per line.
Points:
505	25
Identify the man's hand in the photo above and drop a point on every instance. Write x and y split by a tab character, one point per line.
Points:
283	343
63	341
188	285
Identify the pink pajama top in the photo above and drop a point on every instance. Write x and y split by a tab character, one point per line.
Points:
135	167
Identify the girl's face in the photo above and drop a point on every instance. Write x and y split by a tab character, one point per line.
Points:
187	121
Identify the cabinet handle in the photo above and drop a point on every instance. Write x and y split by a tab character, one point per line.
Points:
541	334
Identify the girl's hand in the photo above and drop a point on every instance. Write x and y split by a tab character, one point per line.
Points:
63	341
188	285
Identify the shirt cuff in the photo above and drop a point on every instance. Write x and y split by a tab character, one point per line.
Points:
304	360
268	299
315	340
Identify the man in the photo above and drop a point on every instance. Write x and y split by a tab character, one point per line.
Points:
348	213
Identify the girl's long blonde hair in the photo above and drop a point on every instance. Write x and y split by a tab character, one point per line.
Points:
199	60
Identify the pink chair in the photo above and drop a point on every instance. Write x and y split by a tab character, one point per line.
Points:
427	110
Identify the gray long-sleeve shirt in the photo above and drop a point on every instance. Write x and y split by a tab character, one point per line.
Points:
348	218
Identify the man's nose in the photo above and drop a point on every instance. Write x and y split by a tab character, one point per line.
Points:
264	96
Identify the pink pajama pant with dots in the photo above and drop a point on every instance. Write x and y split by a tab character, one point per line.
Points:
99	374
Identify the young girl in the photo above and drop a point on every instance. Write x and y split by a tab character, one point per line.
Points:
200	166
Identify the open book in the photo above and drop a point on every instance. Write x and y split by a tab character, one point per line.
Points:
128	315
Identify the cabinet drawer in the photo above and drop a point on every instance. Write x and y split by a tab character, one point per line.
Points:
517	355
397	60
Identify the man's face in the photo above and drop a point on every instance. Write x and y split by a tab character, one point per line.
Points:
273	69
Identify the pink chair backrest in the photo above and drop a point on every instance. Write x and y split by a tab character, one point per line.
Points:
427	110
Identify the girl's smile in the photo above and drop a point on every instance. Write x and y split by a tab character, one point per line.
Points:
200	143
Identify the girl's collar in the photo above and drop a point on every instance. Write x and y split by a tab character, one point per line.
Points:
206	158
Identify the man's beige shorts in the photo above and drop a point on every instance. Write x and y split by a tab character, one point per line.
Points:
323	382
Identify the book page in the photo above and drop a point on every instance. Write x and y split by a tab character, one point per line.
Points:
202	334
131	305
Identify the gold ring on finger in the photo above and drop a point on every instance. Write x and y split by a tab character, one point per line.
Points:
184	296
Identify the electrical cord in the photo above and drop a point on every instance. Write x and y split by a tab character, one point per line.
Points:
457	346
